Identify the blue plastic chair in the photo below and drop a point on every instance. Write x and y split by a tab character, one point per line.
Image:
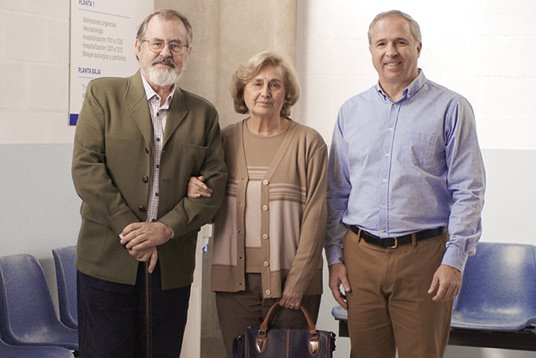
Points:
499	289
28	316
65	264
339	313
9	351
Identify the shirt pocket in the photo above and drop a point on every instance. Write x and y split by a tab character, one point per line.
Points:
422	150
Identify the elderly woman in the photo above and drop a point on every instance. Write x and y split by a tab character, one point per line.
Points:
270	230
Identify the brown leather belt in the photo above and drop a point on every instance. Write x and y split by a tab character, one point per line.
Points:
393	242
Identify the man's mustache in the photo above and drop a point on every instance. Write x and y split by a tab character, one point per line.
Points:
168	61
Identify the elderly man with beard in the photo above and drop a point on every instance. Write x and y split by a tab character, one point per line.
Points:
138	140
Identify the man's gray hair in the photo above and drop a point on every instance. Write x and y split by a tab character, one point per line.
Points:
166	14
414	27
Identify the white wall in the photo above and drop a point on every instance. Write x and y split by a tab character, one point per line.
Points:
479	48
482	49
38	207
34	60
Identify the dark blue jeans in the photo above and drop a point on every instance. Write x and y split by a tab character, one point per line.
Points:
111	317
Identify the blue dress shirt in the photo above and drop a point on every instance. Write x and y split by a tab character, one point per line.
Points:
400	167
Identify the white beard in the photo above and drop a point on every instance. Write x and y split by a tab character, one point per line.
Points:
162	77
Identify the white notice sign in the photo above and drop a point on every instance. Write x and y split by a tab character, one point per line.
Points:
102	43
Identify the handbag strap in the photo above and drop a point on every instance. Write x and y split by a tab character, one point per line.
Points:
310	325
261	340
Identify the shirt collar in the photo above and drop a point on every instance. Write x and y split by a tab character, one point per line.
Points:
409	91
150	92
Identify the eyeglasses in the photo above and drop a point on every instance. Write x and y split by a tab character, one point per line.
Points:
176	47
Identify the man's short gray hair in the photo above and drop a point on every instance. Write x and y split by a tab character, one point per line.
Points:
414	27
167	14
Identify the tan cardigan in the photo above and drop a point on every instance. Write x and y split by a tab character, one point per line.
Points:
292	211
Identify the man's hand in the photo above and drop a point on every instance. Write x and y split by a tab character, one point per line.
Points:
141	236
150	255
446	283
197	188
337	277
291	299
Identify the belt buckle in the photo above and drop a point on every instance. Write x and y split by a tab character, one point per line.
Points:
395	245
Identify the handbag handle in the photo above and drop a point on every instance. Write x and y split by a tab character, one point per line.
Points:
261	342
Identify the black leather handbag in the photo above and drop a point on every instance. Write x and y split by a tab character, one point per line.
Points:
263	342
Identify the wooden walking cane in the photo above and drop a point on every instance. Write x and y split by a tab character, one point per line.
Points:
147	314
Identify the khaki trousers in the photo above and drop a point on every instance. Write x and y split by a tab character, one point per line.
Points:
389	308
239	310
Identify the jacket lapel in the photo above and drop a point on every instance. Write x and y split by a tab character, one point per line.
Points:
136	102
177	113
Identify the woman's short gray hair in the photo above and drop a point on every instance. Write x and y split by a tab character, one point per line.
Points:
252	67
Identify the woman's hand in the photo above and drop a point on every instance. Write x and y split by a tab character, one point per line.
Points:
291	299
197	188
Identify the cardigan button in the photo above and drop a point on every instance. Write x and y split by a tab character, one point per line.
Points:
145	179
265	182
268	293
142	208
265	207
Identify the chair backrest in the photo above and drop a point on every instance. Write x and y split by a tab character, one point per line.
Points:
25	300
65	264
339	313
499	282
12	351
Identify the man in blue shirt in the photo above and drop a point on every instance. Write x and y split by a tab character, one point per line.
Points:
406	190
